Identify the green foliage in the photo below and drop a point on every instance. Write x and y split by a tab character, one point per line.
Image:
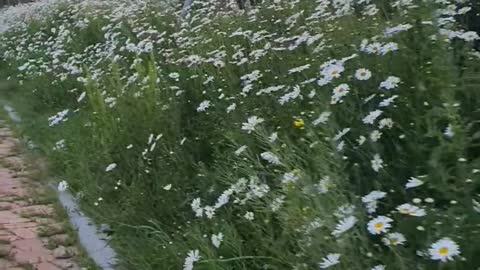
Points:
139	109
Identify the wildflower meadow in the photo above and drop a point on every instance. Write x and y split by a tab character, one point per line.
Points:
272	135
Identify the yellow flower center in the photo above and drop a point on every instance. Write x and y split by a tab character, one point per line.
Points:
378	226
334	73
393	242
363	74
299	123
443	251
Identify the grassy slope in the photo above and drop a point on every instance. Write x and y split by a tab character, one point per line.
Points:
154	228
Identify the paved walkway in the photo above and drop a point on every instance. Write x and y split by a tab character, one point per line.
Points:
30	237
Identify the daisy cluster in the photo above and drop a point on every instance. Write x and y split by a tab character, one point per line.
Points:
293	134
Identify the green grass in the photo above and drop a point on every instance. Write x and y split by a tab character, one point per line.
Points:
154	227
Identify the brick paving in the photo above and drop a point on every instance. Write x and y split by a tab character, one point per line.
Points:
26	242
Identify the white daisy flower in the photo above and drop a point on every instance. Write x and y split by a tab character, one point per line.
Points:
62	186
273	137
379	225
363	74
341	133
110	167
389	47
469	36
174	75
197	207
290	95
464	10
324	185
344	225
271	158
323	81
231	108
444	250
371	200
209	211
371	206
388	101
277	203
249	216
371	117
390	83
251	123
289	178
339	92
379	267
193	256
411	210
413	182
322	119
298	69
344	211
330	260
373	196
390	31
375	135
340	146
58	118
240	150
377	163
394	239
373	48
386	122
332	71
219	64
203	106
217	239
361	140
223	199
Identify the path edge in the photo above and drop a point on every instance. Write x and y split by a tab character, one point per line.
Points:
93	241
